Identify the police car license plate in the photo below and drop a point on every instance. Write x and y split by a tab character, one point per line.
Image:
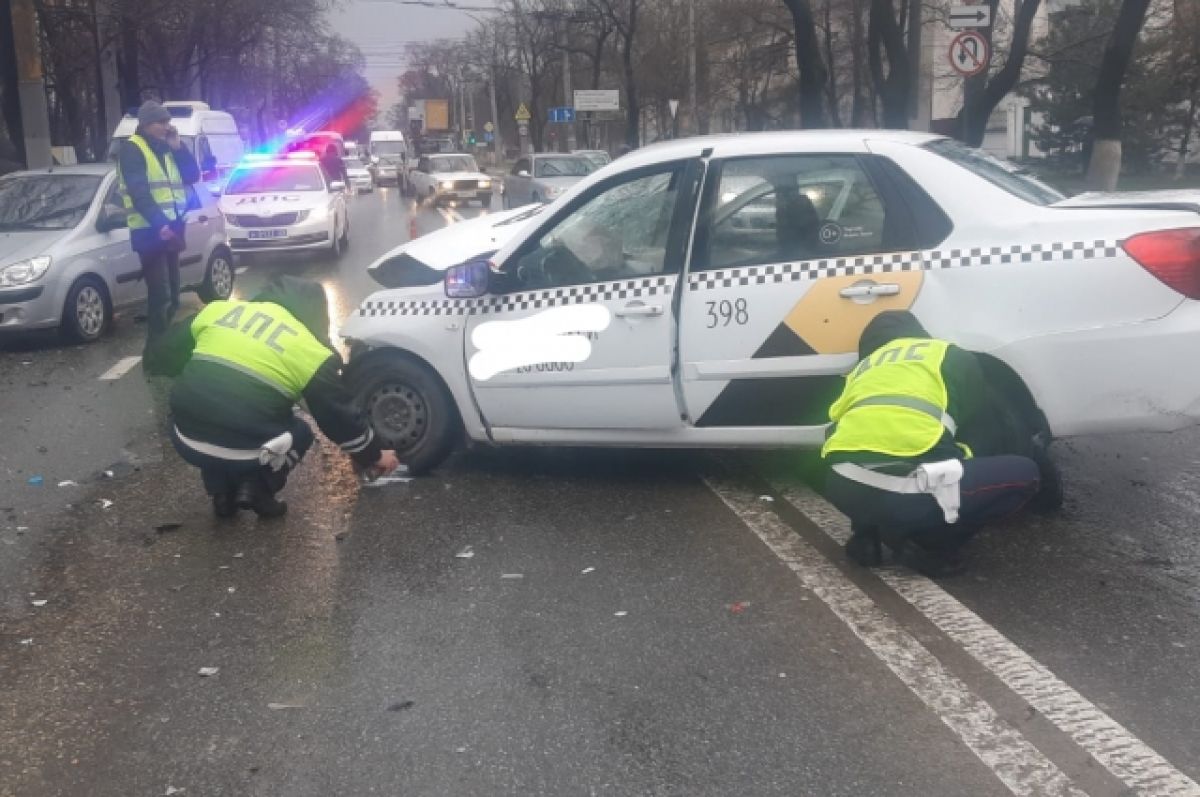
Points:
268	234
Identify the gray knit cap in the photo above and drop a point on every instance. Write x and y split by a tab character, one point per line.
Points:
152	112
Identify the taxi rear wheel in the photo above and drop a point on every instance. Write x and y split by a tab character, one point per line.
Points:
408	407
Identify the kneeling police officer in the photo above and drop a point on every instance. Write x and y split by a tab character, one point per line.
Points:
241	367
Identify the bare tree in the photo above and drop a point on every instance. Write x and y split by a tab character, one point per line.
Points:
983	93
1105	165
813	74
893	78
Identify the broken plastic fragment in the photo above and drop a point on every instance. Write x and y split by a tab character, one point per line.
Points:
620	614
172	790
67	483
512	575
466	553
383	481
206	672
282	706
28	641
105	503
39	604
587	570
36	481
232	590
239	556
766	498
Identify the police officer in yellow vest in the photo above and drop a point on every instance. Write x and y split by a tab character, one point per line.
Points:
241	368
900	468
154	168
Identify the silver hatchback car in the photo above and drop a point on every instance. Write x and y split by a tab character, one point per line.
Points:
65	259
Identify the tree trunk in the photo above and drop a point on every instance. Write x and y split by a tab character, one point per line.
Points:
10	82
812	69
631	96
129	64
1105	164
979	104
858	110
1189	125
835	110
884	37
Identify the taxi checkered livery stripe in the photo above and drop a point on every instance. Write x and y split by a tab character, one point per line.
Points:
901	261
530	300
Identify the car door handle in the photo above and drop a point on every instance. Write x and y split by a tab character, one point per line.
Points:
858	291
639	310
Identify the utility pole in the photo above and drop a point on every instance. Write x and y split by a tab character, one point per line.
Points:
108	103
568	95
498	146
462	109
693	103
35	116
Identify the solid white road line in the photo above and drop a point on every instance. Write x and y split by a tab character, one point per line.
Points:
1111	744
1009	755
122	367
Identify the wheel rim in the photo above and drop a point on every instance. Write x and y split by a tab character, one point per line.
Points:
221	277
89	311
400	415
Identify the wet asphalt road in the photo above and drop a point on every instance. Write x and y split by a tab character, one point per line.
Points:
628	623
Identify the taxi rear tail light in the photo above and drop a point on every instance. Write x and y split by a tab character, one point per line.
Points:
1173	256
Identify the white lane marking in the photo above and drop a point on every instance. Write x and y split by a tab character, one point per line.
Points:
1011	757
122	367
1119	751
446	215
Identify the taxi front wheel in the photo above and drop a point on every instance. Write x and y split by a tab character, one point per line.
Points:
407	405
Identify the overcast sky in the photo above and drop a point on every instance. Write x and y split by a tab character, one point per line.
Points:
382	28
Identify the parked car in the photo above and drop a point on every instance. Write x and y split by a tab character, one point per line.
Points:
597	156
284	203
543	178
359	175
440	178
670	313
65	259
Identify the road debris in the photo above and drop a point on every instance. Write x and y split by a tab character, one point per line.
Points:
28	641
39	603
383	481
512	575
172	790
239	556
402	706
587	570
283	706
208	672
766	498
620	614
68	483
105	503
739	607
466	553
36	481
170	525
231	590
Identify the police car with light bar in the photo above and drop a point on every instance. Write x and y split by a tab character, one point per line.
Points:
275	203
710	292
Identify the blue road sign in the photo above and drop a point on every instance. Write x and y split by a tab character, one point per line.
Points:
565	114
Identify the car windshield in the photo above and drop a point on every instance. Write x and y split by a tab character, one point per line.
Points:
563	167
46	201
597	158
456	163
275	178
1008	176
382	148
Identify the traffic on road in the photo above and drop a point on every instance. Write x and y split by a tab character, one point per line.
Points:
823	462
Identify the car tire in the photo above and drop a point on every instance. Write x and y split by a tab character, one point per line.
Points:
87	312
218	277
345	239
335	249
408	407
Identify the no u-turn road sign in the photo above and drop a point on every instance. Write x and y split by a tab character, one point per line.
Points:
969	53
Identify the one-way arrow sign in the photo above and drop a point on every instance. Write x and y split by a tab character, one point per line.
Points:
970	17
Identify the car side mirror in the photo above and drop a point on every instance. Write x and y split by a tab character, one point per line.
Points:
111	220
337	185
469	280
522	173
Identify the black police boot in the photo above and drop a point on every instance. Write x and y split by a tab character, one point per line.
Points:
253	494
225	505
864	547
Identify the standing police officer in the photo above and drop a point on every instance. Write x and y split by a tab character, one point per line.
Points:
154	169
899	467
241	368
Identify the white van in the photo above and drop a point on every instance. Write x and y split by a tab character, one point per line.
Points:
388	152
211	136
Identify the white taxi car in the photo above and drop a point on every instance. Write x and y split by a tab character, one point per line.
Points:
446	177
277	203
711	292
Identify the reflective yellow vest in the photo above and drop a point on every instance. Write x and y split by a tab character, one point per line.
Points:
262	340
894	402
166	187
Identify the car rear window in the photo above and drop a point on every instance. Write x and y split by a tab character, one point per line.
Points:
1008	176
